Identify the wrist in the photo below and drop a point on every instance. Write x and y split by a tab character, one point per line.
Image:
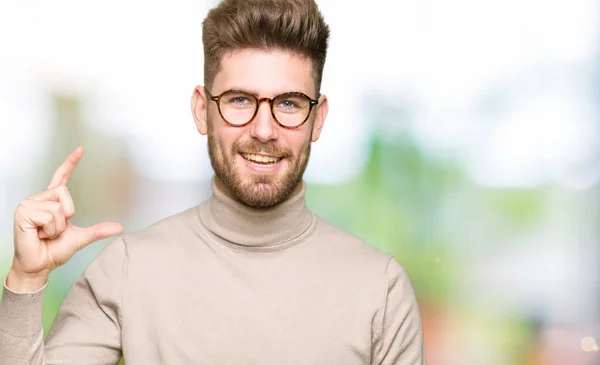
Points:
20	283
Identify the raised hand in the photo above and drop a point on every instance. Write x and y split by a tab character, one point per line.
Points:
44	238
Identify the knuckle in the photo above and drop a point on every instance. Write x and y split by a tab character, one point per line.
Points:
56	208
63	189
24	207
20	210
48	218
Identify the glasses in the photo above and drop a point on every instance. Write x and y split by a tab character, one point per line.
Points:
238	108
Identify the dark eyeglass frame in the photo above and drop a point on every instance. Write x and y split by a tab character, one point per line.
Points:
217	99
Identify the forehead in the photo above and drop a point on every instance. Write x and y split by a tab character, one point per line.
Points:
267	73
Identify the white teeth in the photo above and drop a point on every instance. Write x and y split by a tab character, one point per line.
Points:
261	159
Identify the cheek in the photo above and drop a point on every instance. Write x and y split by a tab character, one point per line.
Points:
213	121
225	138
298	143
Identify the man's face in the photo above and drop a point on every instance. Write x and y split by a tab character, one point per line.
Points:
260	164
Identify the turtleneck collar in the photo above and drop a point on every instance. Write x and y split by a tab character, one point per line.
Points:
248	227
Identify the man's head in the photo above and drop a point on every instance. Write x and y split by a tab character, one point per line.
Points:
259	148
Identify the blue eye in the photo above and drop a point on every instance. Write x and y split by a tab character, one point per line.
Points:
288	104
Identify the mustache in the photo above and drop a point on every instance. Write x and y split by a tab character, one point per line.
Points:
271	149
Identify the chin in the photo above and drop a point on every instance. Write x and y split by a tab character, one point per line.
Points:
263	190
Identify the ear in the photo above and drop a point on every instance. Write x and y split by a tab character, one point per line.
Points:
199	109
320	114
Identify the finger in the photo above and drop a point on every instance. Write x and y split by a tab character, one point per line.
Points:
59	194
60	222
64	171
39	219
85	236
54	208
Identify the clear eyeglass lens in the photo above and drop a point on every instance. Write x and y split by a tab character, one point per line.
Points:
291	110
237	107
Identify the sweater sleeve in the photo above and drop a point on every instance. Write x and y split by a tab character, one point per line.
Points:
87	328
21	331
398	334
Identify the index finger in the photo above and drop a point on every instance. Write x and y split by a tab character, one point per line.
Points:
64	171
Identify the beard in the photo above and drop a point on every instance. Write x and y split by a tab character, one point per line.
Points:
257	190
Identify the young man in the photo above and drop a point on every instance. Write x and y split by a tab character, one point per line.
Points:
250	276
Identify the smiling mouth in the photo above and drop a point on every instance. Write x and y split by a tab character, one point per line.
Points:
261	160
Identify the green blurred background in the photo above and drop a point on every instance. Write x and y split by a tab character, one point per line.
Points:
463	138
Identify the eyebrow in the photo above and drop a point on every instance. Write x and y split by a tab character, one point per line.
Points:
258	94
251	91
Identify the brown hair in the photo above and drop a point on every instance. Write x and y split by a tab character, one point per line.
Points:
291	25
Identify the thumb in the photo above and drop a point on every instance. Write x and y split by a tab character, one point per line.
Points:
87	235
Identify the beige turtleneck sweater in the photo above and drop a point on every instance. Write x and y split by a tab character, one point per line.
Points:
223	284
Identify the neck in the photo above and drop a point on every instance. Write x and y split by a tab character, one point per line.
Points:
241	225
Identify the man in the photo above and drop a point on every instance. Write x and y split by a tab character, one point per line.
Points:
249	276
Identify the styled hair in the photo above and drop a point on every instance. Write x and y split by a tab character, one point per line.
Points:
289	25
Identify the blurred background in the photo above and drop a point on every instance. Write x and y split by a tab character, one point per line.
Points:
463	138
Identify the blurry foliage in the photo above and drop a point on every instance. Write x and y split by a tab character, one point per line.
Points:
512	336
522	208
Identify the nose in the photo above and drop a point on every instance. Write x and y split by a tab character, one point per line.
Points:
263	127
